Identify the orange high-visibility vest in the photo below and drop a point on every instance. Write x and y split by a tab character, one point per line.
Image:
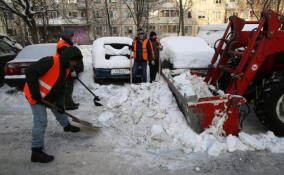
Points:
144	49
60	44
47	81
152	48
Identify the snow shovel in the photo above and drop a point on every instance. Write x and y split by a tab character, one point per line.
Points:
130	67
159	65
75	119
96	98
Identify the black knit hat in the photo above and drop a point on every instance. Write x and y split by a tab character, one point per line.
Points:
140	31
153	34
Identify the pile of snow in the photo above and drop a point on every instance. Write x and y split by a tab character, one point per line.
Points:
211	33
191	85
36	52
101	48
148	118
186	52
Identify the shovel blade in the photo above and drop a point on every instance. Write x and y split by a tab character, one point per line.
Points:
204	113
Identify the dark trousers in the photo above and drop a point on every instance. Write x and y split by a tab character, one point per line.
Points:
143	65
68	92
153	70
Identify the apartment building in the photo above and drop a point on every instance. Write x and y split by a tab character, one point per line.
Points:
89	20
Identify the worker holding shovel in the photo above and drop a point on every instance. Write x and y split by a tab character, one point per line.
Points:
45	81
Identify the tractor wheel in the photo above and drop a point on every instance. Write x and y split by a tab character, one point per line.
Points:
269	104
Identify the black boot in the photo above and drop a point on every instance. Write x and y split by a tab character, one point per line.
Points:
39	156
76	104
71	107
71	128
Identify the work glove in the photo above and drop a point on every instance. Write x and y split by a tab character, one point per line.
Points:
131	47
161	47
153	62
36	97
74	74
60	109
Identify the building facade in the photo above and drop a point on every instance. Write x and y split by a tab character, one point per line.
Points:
89	19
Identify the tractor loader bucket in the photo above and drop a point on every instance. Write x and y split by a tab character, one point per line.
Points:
217	112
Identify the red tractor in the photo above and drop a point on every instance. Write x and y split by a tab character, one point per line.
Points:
251	65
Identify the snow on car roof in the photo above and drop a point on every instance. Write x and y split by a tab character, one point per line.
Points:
115	40
186	52
99	52
36	52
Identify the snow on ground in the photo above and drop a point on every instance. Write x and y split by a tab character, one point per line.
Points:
143	128
186	52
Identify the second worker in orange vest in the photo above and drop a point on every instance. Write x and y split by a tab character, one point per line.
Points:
153	47
140	56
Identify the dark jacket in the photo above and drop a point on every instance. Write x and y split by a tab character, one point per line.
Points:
149	49
41	67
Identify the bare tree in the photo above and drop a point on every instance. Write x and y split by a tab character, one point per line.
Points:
183	6
139	11
108	18
264	5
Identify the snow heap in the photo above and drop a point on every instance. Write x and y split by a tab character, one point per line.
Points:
211	33
191	85
147	118
100	50
186	52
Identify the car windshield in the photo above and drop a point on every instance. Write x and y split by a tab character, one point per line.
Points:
37	51
5	48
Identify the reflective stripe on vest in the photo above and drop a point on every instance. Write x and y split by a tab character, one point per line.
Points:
144	49
60	44
47	81
152	48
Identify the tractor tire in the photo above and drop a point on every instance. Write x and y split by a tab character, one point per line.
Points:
269	103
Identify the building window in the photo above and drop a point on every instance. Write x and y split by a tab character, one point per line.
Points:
128	0
97	1
114	30
75	14
169	28
99	31
127	14
189	15
188	30
83	14
169	13
72	1
217	15
97	14
152	28
113	14
128	30
112	1
52	14
218	1
201	14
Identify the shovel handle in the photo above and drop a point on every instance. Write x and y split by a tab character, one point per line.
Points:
75	119
87	88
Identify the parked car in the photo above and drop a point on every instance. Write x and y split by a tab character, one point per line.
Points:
7	53
15	69
17	47
111	58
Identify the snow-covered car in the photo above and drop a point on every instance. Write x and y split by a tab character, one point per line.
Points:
111	58
17	47
7	53
186	52
15	69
